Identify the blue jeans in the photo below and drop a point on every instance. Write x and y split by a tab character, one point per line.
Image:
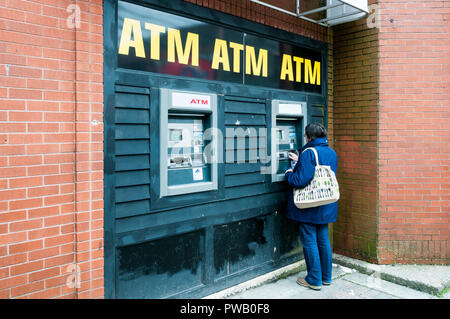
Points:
317	252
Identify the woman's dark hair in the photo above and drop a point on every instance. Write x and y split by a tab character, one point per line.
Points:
315	130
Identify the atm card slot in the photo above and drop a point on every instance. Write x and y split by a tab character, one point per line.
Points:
283	156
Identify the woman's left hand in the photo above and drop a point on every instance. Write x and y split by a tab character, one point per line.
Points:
289	170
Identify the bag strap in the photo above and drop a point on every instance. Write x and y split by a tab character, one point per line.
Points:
315	154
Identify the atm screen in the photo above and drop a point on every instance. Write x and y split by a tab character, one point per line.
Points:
175	135
293	137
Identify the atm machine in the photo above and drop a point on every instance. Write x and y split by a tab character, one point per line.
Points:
288	127
187	160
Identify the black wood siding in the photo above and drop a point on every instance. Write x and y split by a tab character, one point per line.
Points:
191	245
239	233
132	143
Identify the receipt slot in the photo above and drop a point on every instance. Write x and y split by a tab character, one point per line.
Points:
187	160
288	125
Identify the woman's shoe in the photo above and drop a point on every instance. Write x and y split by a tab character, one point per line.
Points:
326	283
302	282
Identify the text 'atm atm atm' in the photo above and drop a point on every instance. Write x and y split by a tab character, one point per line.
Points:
187	163
288	125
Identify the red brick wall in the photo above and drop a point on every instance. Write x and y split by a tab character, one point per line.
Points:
51	159
391	115
355	131
414	132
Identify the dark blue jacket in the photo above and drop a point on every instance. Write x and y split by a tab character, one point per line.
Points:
301	176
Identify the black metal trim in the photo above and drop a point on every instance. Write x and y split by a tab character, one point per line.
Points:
109	69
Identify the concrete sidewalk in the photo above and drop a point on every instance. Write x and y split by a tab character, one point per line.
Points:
352	279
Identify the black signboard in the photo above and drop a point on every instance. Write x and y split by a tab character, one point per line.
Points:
160	42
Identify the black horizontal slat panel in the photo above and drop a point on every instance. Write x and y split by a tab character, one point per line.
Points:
317	110
245	119
240	143
317	113
132	131
128	178
317	119
132	208
131	193
244	179
132	89
137	101
241	147
132	116
127	147
248	190
244	99
132	162
233	131
242	156
239	168
244	107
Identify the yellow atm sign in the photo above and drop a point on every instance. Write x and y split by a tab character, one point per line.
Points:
159	42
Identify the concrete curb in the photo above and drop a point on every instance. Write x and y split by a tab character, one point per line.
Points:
426	278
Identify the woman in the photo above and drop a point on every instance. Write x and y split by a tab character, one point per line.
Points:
313	222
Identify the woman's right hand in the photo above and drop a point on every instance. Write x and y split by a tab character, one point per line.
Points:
293	156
